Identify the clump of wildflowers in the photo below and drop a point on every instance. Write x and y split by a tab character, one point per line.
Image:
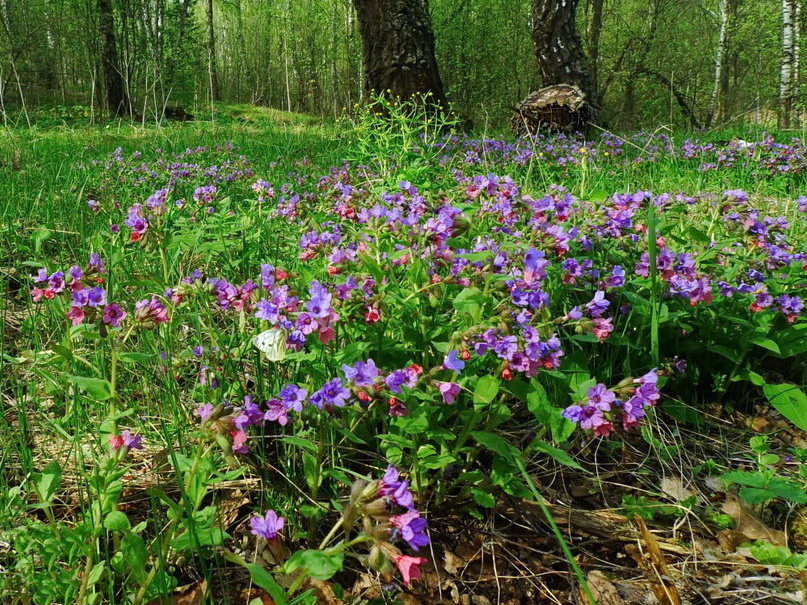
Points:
602	406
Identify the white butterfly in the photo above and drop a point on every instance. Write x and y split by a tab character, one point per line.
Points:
272	343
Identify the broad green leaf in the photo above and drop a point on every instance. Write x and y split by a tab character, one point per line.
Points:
493	442
261	577
136	554
48	481
483	498
559	455
311	471
97	388
96	573
790	401
117	521
745	478
487	387
756	495
320	565
202	536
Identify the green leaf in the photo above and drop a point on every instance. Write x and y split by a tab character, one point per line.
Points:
96	573
132	358
728	353
745	478
750	376
487	387
310	468
493	442
63	352
266	580
790	401
96	388
48	481
559	455
202	536
761	340
788	490
136	554
756	495
547	414
483	498
305	444
320	565
117	521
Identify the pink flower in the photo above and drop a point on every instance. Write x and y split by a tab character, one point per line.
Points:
240	442
76	315
409	567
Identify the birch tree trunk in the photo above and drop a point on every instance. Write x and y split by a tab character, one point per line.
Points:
211	54
559	48
716	105
788	73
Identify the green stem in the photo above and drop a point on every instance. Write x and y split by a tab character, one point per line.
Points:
169	531
556	530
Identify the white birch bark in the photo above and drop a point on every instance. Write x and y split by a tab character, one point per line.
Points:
786	75
716	103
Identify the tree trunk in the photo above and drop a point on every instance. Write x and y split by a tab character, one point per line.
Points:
594	32
117	99
718	100
399	49
788	73
212	72
559	48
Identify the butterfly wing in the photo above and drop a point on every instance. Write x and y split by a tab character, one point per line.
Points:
272	343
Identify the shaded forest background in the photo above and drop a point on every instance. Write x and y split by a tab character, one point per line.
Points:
654	60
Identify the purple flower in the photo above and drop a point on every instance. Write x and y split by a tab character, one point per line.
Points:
332	394
293	397
96	297
267	527
398	491
449	391
133	442
198	351
114	314
412	528
276	412
320	303
453	362
600	397
204	411
250	414
362	374
598	305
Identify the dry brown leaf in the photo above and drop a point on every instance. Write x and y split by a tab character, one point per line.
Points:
730	539
674	488
602	589
665	590
250	594
452	563
192	594
324	592
746	522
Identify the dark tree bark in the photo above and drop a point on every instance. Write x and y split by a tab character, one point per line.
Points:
116	96
211	54
399	48
559	48
594	32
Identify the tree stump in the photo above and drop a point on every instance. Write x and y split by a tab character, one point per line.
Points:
558	108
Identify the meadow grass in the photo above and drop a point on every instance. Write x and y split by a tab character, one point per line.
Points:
70	386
